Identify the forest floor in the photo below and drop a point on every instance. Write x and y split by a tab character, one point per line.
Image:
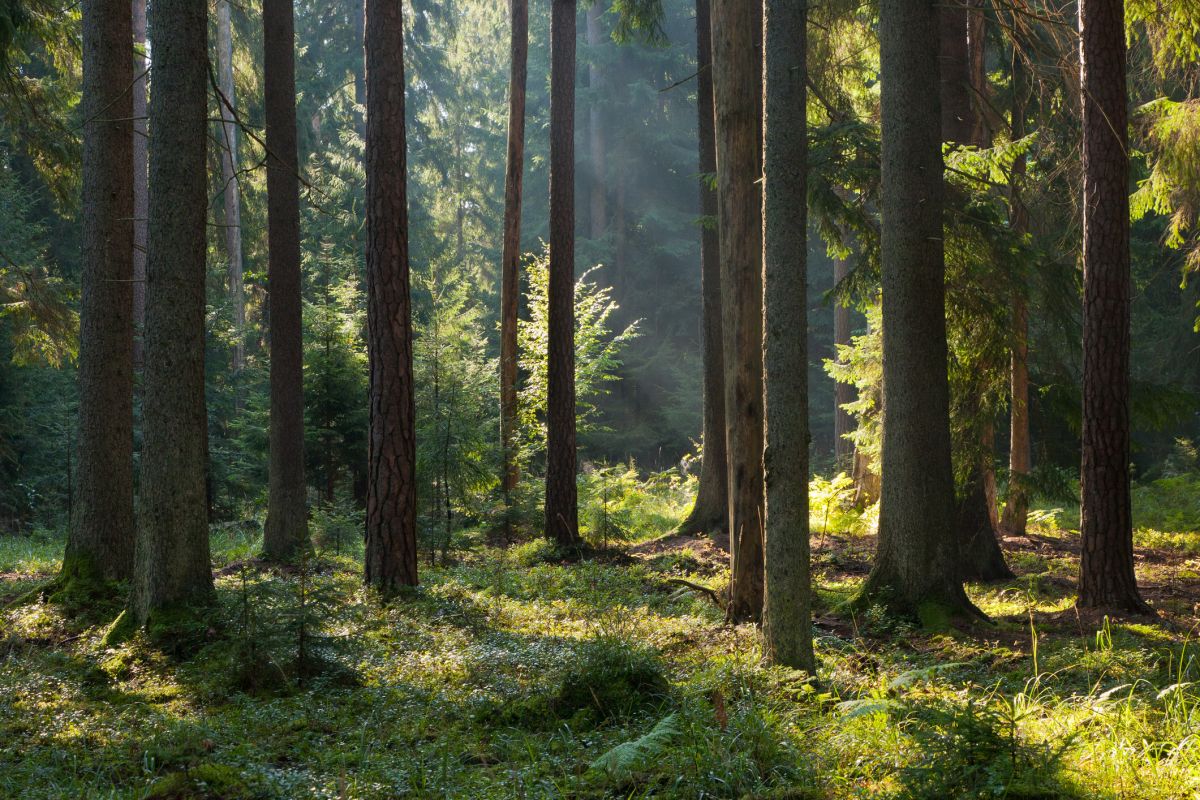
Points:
512	674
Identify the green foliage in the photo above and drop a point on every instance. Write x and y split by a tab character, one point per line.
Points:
598	352
616	504
206	781
612	679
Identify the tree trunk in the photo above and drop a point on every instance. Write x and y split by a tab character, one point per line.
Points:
231	190
286	531
1106	575
954	73
710	511
787	606
916	566
391	544
562	509
843	393
1016	506
510	268
736	85
599	187
100	541
140	200
172	563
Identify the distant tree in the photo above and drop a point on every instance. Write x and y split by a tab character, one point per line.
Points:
286	530
1106	575
391	540
598	186
736	85
141	65
1016	505
510	267
916	563
787	607
231	190
562	501
710	511
172	563
100	543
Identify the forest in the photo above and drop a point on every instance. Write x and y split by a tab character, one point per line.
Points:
780	400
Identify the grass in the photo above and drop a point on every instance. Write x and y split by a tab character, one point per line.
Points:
510	674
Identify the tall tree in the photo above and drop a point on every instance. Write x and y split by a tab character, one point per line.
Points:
231	190
172	562
843	393
391	548
736	89
562	501
710	511
1016	506
1106	576
100	541
141	130
286	531
510	267
787	607
598	188
916	564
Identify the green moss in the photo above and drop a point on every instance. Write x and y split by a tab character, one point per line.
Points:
121	629
204	782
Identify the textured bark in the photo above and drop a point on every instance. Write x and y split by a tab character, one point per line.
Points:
1016	506
598	194
231	188
981	130
843	393
736	86
510	268
140	178
916	566
954	72
711	509
787	606
562	507
286	531
391	545
172	563
100	541
1106	575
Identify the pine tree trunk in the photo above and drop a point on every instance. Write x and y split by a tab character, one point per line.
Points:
1016	506
100	541
231	189
391	542
710	511
1106	574
916	566
562	511
599	187
286	531
736	86
510	282
140	176
172	562
843	393
787	607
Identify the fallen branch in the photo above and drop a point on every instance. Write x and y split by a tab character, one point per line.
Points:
713	594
